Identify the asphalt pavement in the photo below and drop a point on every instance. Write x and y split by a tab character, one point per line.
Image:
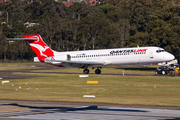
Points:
12	110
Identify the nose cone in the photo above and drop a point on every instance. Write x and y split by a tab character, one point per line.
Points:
169	57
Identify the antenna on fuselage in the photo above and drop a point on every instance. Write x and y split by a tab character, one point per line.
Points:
138	46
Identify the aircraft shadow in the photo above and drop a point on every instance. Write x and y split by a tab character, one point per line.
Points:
46	110
64	109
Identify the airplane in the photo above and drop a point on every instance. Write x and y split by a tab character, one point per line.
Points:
95	58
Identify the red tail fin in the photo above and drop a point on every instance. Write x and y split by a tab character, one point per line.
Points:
41	49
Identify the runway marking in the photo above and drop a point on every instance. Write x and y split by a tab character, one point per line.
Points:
83	75
5	81
89	96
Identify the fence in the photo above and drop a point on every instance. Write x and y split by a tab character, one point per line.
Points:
16	57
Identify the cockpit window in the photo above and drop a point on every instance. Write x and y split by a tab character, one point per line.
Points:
158	51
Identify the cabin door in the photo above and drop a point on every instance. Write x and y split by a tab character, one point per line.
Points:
151	55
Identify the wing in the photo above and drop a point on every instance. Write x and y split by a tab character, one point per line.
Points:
76	63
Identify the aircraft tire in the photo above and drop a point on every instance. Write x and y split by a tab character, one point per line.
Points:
98	71
86	71
163	72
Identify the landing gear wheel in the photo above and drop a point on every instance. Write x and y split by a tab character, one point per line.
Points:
98	71
86	71
163	72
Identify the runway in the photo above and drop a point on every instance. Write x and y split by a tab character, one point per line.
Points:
83	111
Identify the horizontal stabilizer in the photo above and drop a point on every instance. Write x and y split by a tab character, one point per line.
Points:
33	39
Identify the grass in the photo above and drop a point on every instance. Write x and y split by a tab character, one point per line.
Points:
144	90
19	63
16	66
150	90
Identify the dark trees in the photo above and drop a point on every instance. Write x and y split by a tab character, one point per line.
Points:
121	23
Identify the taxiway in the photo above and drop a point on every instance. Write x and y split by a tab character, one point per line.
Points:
84	111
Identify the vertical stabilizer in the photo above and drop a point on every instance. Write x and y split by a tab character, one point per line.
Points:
41	49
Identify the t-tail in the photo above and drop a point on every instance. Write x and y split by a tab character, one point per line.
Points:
41	49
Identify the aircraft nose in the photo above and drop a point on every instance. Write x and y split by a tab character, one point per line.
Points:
168	57
171	57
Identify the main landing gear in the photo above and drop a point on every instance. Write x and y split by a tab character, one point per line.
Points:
97	71
86	71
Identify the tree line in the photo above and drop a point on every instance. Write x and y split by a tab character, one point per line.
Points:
116	24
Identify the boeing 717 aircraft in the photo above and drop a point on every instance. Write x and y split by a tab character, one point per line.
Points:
96	58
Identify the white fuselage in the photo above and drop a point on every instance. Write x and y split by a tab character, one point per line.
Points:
118	56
